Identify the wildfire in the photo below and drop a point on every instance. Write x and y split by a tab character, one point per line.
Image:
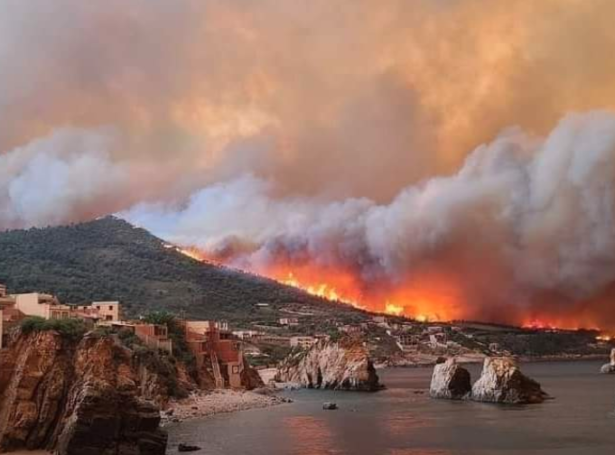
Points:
395	310
538	324
323	290
191	253
430	301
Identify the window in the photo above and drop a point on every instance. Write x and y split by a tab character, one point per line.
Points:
110	307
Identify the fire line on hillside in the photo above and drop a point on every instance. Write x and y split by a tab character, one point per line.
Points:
342	288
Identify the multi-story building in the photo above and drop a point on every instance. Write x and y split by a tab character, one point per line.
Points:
216	346
42	305
108	311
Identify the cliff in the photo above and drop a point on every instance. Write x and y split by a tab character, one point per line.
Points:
75	397
343	365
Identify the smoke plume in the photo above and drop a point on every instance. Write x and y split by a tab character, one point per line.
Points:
455	152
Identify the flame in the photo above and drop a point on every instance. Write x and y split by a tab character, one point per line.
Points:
191	252
319	289
424	298
538	324
395	310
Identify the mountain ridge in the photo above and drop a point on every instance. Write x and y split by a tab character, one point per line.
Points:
110	259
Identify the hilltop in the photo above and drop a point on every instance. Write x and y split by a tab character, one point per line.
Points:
109	259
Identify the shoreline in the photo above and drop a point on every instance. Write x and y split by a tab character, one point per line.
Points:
521	359
201	405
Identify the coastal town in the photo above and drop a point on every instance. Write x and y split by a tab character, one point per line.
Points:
391	340
165	369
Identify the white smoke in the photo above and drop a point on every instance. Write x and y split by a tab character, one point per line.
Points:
52	179
543	207
341	133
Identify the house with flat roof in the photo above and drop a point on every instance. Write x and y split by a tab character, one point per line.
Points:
214	345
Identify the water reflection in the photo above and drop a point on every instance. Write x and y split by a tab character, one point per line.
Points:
310	435
419	452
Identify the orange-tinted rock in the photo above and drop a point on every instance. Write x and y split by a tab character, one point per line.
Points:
75	397
343	365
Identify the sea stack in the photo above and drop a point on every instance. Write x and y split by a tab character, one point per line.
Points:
450	381
609	368
501	381
341	365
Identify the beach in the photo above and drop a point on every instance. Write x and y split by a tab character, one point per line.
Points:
205	404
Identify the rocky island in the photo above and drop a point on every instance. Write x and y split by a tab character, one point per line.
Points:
450	381
501	381
339	365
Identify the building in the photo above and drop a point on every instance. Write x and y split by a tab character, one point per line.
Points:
213	344
290	322
42	305
6	303
153	335
15	307
108	311
246	334
303	342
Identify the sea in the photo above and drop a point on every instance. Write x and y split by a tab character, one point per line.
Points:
403	420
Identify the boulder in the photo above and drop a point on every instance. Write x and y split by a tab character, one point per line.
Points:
609	368
329	406
501	381
342	365
450	381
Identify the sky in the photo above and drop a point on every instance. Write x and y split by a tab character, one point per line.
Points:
413	148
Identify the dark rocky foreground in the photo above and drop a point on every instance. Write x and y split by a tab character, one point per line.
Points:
501	381
75	398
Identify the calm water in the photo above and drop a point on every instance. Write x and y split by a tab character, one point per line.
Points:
398	421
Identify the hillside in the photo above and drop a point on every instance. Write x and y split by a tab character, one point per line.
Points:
109	259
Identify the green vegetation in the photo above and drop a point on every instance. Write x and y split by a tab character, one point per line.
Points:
109	259
70	328
176	334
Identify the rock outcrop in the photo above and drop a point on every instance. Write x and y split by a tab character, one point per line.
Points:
250	379
450	381
342	365
501	381
609	368
104	413
75	397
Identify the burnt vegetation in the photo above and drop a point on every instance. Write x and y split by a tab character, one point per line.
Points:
109	259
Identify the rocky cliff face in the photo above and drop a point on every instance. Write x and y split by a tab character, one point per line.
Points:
450	381
609	368
343	365
501	381
76	397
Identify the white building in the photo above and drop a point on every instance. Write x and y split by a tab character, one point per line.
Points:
290	322
302	342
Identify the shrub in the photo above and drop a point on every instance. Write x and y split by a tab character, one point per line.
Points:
69	328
